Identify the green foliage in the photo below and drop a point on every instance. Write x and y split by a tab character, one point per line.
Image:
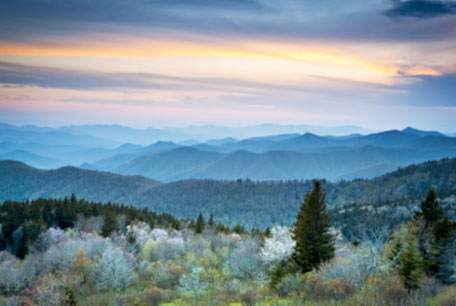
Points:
110	223
435	237
314	244
211	222
259	204
409	265
430	210
444	246
200	224
30	219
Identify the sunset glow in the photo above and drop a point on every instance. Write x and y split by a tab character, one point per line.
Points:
227	65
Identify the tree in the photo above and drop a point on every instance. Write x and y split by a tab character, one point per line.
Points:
193	284
200	224
314	244
211	222
110	223
409	267
444	246
435	238
114	269
176	225
430	210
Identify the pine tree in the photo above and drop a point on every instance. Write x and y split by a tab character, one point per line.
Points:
267	232
211	222
443	246
409	267
176	225
314	243
239	229
435	238
200	224
110	223
430	210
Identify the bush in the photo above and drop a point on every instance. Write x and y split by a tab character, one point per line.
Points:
333	289
15	276
394	293
430	287
153	296
294	283
311	282
447	298
248	297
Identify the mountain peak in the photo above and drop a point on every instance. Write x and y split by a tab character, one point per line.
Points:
414	131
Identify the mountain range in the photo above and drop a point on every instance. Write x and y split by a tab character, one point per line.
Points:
282	157
273	157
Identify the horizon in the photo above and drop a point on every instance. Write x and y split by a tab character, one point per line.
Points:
362	130
379	64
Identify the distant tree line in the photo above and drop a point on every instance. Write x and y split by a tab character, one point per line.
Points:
22	222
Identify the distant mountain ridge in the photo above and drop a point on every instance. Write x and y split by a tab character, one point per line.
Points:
246	201
271	157
285	157
122	134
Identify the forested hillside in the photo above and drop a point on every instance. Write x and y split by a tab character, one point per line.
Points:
72	252
250	203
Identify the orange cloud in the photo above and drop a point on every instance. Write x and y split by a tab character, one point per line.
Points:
422	70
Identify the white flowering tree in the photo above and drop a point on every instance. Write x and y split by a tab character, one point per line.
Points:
244	261
279	246
114	270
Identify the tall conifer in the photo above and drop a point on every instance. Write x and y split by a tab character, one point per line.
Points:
110	223
314	243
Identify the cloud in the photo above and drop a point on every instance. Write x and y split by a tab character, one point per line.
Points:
44	19
421	9
14	75
73	22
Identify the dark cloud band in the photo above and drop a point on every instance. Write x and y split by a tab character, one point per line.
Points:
421	9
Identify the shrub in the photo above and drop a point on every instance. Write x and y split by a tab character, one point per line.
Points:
15	276
430	287
447	298
311	282
292	283
153	296
175	273
333	289
248	297
394	293
19	301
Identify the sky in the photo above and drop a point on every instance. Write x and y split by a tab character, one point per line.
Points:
379	64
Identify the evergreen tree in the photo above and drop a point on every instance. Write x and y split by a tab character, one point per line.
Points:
2	242
435	238
110	223
444	246
238	229
267	232
211	222
430	210
409	265
176	225
314	243
200	224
